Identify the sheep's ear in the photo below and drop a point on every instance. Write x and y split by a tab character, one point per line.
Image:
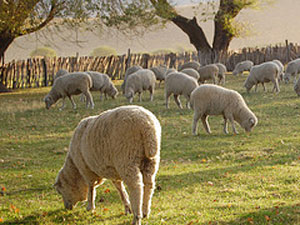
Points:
252	122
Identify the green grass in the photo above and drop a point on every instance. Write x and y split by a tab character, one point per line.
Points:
207	179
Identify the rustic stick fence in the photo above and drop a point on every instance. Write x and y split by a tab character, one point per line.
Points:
39	72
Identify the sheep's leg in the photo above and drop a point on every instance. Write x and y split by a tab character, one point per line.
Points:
256	85
140	96
89	99
177	100
149	184
225	125
72	101
82	98
123	194
167	96
91	198
187	104
151	94
105	96
197	116
134	181
63	104
232	124
101	96
263	84
205	123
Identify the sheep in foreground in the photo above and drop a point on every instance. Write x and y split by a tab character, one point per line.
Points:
222	71
138	82
209	99
292	69
263	73
242	66
102	83
191	72
208	72
178	83
281	68
128	72
60	73
193	64
123	145
66	86
159	72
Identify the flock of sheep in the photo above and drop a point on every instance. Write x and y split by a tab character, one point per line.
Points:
97	150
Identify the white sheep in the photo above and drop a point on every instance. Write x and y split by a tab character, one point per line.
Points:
159	72
209	99
141	80
71	84
242	66
191	72
222	72
281	68
102	83
169	71
208	72
263	73
193	64
123	145
60	73
292	69
128	72
178	83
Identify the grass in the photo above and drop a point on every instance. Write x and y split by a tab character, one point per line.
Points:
207	179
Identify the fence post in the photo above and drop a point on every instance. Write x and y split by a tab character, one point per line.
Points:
128	60
288	53
44	65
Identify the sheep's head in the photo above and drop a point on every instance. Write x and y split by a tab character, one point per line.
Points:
71	193
48	101
286	77
248	85
129	93
113	92
234	72
297	89
249	123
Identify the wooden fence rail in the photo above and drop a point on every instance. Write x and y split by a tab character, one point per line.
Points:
39	72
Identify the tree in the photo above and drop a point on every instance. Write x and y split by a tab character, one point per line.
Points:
225	29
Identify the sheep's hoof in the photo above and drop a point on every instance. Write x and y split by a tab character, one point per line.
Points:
127	210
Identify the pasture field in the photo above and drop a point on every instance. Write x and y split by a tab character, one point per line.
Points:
204	179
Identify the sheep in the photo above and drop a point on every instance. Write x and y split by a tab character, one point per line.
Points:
123	145
159	72
143	79
208	72
102	83
193	64
178	83
191	72
292	69
281	68
210	99
222	70
60	73
265	72
297	87
169	71
72	84
128	72
242	66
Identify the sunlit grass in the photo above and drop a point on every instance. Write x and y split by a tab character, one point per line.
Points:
207	179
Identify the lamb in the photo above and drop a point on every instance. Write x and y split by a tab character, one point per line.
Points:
209	99
102	83
265	72
281	68
123	145
159	72
139	81
191	72
221	75
60	73
292	69
72	84
242	66
208	72
193	64
178	83
128	72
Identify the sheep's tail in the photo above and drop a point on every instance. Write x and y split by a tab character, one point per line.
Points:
152	139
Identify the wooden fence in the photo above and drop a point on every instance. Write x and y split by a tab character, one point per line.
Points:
39	72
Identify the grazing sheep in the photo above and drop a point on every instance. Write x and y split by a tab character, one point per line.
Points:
178	83
281	68
169	71
263	73
102	83
191	72
193	64
159	72
60	73
123	145
72	84
209	99
128	72
208	72
222	71
242	66
139	81
292	69
297	87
